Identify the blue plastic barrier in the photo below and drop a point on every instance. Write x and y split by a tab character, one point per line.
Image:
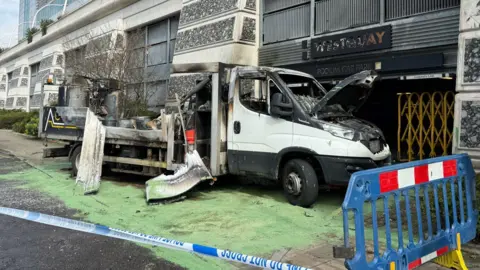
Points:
443	190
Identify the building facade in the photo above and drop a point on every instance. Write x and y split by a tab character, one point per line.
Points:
411	44
341	37
467	102
167	32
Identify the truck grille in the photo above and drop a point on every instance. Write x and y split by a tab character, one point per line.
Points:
376	146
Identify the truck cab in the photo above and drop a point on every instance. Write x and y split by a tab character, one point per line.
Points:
283	125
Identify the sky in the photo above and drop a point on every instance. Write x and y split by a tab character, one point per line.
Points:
9	22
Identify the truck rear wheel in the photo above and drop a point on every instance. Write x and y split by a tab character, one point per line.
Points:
75	160
300	183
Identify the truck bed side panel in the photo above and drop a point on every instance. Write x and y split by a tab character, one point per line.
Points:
63	121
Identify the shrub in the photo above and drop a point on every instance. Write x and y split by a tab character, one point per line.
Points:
16	119
30	33
44	25
31	128
19	127
9	117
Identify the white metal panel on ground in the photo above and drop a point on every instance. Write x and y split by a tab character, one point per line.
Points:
91	156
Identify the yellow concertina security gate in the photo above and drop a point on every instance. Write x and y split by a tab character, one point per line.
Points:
424	125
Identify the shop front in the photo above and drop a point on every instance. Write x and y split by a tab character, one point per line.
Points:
412	102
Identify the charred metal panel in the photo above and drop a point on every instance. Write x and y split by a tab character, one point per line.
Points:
286	24
281	53
427	31
431	30
274	5
395	9
333	15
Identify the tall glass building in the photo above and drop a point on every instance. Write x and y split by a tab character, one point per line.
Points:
26	12
45	9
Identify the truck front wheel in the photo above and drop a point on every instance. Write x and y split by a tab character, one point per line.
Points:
300	183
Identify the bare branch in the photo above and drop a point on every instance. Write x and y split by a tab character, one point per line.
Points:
105	53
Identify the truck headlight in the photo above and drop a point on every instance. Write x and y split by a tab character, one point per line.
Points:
340	131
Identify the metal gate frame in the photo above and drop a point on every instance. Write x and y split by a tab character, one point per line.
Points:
425	108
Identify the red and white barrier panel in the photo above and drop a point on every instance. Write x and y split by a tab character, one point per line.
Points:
398	179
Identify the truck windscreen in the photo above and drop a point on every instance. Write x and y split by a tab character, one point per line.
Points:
307	91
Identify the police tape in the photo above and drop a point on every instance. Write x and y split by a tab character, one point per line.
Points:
147	239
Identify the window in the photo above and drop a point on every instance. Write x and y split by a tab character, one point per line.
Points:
253	95
136	38
136	58
285	20
157	54
306	90
10	84
273	89
413	7
157	43
157	33
135	91
173	27
99	45
33	76
156	93
330	15
74	61
173	36
172	50
152	49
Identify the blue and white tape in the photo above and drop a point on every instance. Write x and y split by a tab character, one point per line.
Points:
148	239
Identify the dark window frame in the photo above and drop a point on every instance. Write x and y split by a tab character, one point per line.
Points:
247	102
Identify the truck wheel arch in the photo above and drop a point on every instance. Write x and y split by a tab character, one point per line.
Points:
295	153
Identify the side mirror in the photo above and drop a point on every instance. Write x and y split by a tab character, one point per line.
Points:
280	105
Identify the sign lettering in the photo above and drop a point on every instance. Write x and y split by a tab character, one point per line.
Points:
424	76
359	41
341	69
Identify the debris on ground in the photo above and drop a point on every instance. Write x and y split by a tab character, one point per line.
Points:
167	201
185	177
91	159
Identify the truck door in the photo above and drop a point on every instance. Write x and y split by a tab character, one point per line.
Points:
255	137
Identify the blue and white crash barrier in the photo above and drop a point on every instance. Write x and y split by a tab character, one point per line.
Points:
147	239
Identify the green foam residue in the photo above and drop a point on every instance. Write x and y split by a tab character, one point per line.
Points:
250	220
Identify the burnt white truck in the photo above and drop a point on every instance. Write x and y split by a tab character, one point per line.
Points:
275	124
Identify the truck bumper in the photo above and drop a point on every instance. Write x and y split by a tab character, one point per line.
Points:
338	170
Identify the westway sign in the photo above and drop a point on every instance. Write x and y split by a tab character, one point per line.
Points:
359	41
